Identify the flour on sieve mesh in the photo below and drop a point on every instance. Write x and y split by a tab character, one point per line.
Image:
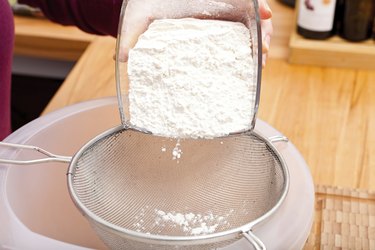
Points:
184	223
191	78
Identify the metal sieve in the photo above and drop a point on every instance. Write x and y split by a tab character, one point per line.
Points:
136	196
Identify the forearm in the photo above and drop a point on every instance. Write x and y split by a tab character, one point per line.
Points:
93	16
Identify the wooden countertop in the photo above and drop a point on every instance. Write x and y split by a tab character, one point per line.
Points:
328	113
39	37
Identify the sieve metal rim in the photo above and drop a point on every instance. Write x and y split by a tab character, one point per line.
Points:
172	240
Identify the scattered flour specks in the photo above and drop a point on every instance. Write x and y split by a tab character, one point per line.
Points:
177	151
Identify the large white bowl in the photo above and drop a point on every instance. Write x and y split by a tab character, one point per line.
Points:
36	211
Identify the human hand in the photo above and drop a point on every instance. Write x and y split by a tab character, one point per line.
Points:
265	14
139	14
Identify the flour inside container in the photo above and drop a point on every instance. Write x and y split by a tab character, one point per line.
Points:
192	78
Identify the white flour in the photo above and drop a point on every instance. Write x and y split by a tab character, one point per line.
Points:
191	78
190	223
177	151
187	223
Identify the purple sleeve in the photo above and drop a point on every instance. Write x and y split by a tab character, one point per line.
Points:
99	17
6	55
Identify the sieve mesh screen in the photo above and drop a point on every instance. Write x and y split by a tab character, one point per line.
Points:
130	179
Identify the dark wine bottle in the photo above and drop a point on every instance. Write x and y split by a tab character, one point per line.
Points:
357	20
290	3
338	16
316	18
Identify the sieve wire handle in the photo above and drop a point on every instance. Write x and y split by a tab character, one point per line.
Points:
255	241
49	156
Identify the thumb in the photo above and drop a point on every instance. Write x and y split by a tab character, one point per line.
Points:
134	24
264	9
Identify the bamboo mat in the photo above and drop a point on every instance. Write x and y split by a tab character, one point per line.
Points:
344	219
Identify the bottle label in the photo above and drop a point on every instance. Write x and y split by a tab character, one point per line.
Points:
316	15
